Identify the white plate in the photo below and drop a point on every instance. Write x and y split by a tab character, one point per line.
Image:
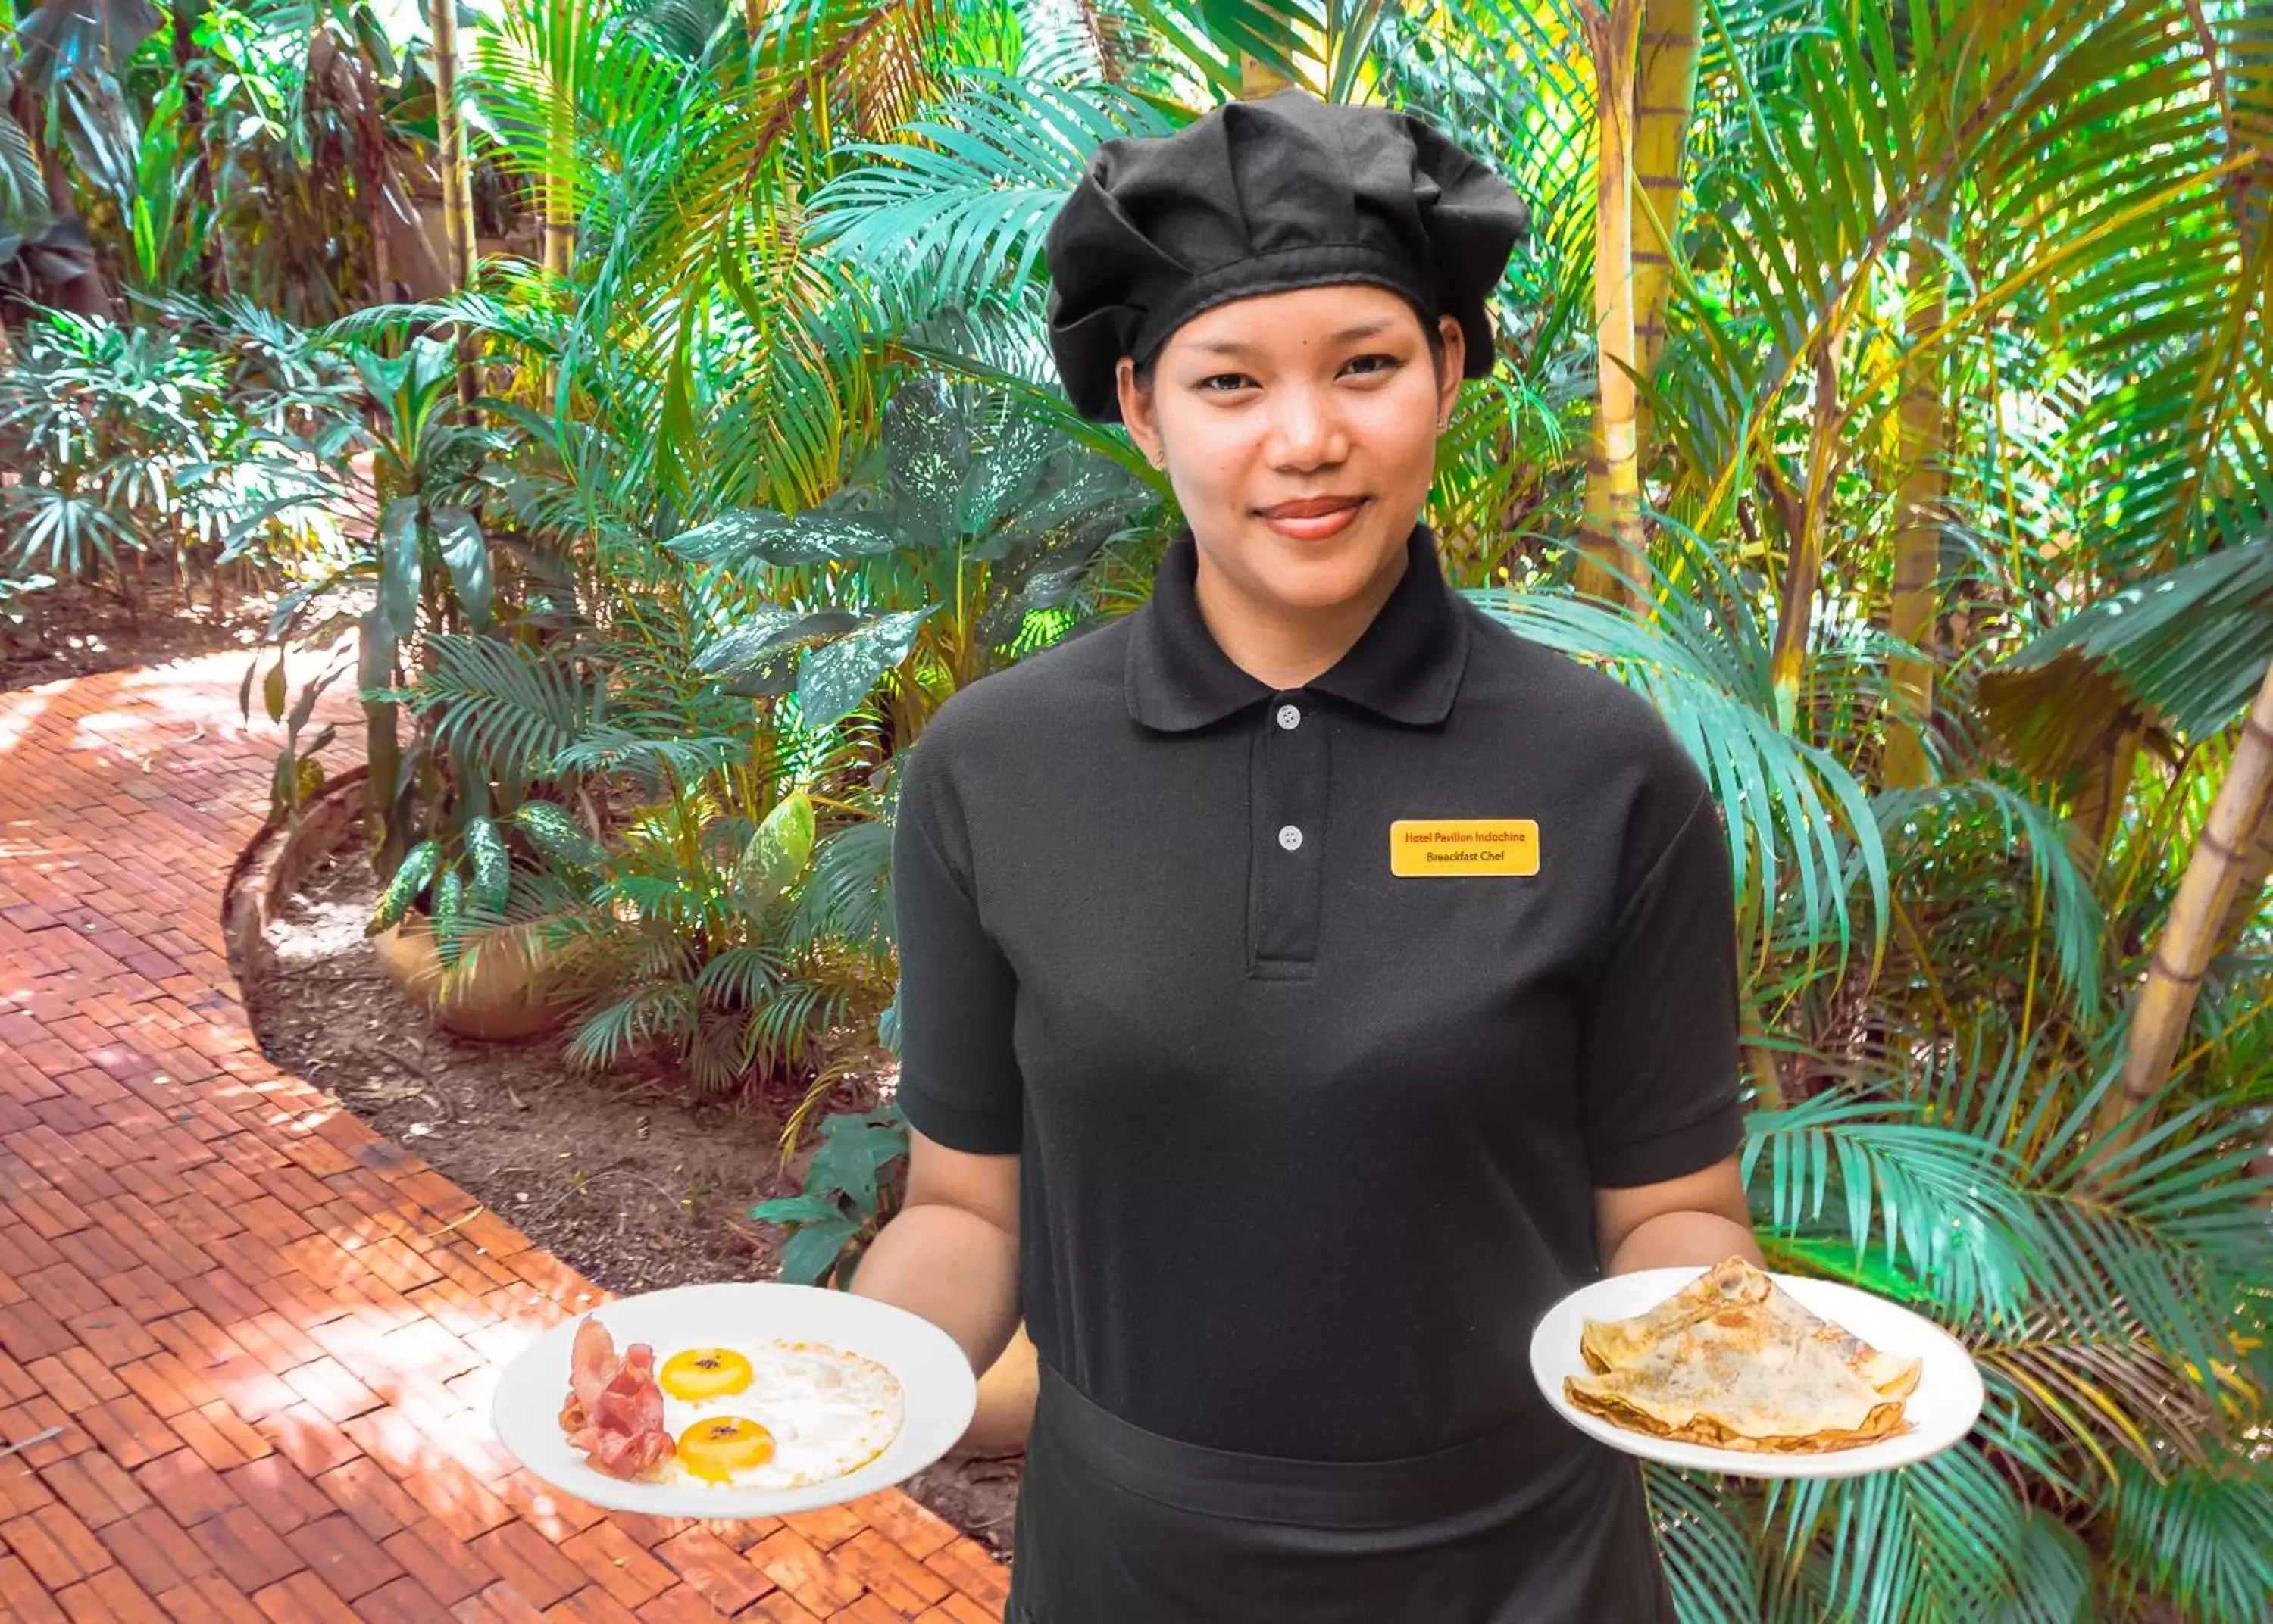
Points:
936	1379
1940	1409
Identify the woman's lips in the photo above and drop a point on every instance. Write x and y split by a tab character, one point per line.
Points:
1312	521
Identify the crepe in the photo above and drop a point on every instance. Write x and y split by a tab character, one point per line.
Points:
1735	1361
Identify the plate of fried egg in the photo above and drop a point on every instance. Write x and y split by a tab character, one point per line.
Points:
734	1399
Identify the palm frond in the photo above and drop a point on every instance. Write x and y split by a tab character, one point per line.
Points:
2202	1539
499	702
958	204
2072	910
847	897
1939	1540
1702	664
1941	1207
1705	1538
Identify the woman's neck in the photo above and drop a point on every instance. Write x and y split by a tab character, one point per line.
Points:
1287	646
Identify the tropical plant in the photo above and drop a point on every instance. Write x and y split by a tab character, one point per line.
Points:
132	441
1883	394
849	1195
967	519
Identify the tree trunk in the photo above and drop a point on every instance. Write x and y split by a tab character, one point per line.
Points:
1665	99
1258	79
1804	565
212	277
1917	544
559	226
2205	899
1612	534
83	291
2104	791
457	184
2249	886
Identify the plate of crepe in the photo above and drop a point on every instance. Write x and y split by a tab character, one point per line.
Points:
735	1400
1733	1369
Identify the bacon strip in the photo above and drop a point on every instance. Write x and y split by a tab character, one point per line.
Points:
614	1409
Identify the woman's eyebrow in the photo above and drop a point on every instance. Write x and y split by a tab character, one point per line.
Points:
1346	335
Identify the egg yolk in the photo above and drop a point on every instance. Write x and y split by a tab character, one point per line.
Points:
698	1373
718	1448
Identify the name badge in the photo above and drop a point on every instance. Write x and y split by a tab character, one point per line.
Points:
1503	847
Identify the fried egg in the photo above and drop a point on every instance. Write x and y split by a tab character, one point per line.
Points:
777	1415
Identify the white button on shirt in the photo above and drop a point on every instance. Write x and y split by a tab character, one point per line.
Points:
1288	715
1290	837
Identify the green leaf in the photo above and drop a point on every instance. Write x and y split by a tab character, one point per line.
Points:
731	539
812	1250
2185	649
786	1210
776	853
273	689
398	574
2056	1586
493	867
762	536
853	1150
418	867
836	676
449	903
768	628
834	538
467	554
2203	1539
384	375
554	832
1706	1548
927	438
1938	1540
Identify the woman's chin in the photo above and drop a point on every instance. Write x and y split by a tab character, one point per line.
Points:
1317	574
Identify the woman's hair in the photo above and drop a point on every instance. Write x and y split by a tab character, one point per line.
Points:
1429	331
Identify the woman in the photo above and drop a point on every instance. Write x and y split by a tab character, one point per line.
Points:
1306	981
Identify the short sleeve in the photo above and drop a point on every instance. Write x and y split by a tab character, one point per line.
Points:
1658	1051
959	1080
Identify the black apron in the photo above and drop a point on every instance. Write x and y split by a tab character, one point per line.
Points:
1532	1523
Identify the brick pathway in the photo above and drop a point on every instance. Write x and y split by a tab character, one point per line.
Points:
266	1334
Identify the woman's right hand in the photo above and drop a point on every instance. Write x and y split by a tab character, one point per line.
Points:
951	1254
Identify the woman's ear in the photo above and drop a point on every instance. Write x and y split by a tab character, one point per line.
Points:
1451	369
1137	411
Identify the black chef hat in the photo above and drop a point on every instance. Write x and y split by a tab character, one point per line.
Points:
1259	196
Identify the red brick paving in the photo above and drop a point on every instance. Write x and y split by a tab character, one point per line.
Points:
265	1332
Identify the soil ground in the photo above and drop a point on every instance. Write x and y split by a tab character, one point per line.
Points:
631	1178
73	630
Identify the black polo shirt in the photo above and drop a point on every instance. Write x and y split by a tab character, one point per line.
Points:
1308	1143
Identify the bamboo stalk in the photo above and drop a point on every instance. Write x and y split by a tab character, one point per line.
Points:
1258	79
1612	534
2249	885
1917	544
559	226
2206	896
457	184
1803	564
1665	100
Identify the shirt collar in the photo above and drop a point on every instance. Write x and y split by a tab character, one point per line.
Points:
1406	666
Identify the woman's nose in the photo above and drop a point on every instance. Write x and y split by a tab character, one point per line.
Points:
1306	431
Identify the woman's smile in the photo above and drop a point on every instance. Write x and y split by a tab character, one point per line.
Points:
1312	518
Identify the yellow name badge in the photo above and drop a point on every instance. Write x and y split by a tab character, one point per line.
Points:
1505	847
